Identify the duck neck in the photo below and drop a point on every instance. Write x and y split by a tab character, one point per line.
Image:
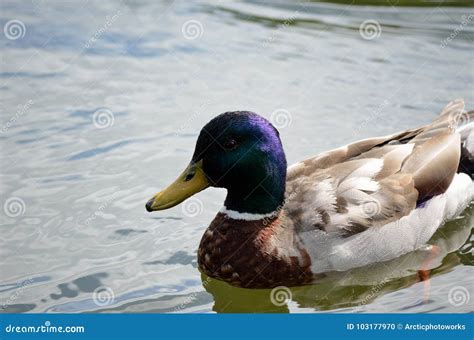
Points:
263	197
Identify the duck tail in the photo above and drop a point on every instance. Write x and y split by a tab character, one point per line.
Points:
466	129
461	122
453	120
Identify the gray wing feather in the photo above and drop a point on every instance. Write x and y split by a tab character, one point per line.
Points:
375	181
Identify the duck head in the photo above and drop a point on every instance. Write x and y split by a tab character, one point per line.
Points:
240	151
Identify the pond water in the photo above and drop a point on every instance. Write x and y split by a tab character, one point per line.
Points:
101	104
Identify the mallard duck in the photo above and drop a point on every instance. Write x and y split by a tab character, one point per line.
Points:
366	202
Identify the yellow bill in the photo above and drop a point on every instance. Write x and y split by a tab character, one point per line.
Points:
191	181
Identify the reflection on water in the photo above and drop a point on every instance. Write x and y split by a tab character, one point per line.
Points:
101	104
360	287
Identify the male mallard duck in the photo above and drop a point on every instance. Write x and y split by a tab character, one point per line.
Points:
369	201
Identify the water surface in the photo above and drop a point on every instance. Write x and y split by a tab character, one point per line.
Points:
101	104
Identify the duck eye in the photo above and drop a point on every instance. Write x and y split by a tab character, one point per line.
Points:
230	144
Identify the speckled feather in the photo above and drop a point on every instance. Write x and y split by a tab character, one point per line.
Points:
236	251
375	181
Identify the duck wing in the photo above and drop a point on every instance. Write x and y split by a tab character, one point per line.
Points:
379	180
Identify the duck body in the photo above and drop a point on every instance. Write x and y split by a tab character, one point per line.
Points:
370	201
276	253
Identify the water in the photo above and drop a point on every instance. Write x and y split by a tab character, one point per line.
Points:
101	104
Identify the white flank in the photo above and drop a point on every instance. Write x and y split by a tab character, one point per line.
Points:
379	244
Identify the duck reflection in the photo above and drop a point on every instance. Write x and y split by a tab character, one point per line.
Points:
448	248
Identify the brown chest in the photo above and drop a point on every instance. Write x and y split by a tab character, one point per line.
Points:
236	252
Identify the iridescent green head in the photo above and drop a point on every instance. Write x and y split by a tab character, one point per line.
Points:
240	151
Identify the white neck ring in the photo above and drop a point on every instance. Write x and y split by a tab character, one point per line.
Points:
246	216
